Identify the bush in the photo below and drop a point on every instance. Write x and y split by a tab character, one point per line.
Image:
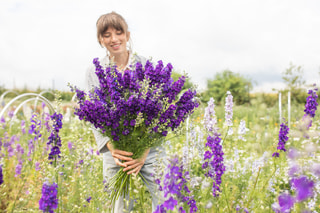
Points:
225	81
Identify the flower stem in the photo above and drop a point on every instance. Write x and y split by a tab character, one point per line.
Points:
254	187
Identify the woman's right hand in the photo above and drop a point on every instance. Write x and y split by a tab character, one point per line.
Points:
119	155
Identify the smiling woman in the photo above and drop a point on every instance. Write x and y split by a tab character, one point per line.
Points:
113	34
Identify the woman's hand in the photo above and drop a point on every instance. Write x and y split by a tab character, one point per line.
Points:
135	165
119	155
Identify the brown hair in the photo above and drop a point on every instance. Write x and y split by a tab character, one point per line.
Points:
113	20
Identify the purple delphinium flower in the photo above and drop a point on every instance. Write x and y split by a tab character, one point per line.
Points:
1	175
18	168
304	187
215	162
3	122
19	153
49	201
54	138
9	144
70	146
311	105
283	138
23	126
37	166
114	106
174	187
34	130
286	202
89	199
170	203
47	120
228	109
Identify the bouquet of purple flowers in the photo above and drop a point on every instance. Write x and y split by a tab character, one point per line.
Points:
135	109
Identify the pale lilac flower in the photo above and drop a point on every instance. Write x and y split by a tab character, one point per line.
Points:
242	130
37	166
210	119
11	113
294	170
18	168
315	169
293	154
228	109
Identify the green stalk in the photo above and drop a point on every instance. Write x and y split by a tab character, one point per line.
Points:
14	204
254	187
226	198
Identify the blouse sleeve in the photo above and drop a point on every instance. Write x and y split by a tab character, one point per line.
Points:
93	81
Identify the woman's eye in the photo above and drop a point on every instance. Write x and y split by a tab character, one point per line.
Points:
119	32
106	36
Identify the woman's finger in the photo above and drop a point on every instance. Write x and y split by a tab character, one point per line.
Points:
131	167
131	162
120	152
119	163
135	171
121	157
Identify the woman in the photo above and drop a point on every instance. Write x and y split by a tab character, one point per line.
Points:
113	34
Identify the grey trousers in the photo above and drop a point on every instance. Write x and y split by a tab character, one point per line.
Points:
155	156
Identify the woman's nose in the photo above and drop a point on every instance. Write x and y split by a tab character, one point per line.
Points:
113	37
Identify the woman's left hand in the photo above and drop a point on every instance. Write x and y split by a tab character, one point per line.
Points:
135	165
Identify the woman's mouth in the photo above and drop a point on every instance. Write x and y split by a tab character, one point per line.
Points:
115	46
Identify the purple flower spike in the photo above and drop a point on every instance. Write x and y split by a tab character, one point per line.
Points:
286	202
89	199
283	138
311	106
175	186
170	203
54	137
303	186
49	201
214	157
1	175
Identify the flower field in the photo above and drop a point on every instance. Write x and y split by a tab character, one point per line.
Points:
227	159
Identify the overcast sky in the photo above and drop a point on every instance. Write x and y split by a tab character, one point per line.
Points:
45	43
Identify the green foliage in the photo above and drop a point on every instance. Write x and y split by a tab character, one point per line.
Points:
269	99
227	80
293	78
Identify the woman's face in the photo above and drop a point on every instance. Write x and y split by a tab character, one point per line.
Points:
115	41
